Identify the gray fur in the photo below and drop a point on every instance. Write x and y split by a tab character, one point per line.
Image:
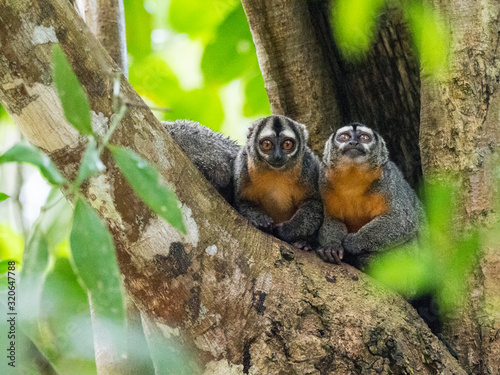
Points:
304	224
399	226
211	152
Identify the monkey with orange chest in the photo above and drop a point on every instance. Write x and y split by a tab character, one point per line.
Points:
276	181
368	205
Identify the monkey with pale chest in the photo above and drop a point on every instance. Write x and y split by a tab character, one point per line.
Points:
276	178
368	205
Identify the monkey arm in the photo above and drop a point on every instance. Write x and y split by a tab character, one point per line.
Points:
400	225
212	153
306	221
303	224
332	232
380	233
330	237
250	210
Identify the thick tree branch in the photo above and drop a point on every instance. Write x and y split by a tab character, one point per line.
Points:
106	19
460	135
237	298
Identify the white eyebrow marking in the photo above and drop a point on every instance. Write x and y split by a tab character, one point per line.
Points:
365	129
344	129
266	132
288	133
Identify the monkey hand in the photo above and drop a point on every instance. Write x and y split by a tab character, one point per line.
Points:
302	245
284	232
331	254
352	243
263	222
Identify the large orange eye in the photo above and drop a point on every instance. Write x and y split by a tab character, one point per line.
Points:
344	137
288	144
266	145
365	138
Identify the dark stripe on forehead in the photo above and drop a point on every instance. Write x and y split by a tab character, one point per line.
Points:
277	126
354	126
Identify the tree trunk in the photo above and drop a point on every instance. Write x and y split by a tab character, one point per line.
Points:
106	19
237	299
308	80
460	135
290	39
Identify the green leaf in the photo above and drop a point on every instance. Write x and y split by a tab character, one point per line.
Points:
4	265
354	25
31	283
3	197
198	17
73	99
36	254
440	208
403	270
66	304
95	260
457	267
232	48
91	163
11	244
47	298
25	153
430	35
55	221
35	263
145	180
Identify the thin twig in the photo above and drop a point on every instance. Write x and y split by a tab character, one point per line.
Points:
141	105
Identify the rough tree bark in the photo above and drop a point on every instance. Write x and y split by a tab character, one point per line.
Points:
106	20
460	134
307	78
240	300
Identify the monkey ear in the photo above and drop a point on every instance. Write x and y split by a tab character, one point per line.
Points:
252	128
306	133
302	128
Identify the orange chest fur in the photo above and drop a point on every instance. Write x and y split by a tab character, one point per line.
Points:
277	194
347	196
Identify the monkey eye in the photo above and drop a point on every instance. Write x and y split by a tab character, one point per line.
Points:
288	144
365	138
266	145
344	137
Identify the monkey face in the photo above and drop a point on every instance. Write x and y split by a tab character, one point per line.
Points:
355	143
278	142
